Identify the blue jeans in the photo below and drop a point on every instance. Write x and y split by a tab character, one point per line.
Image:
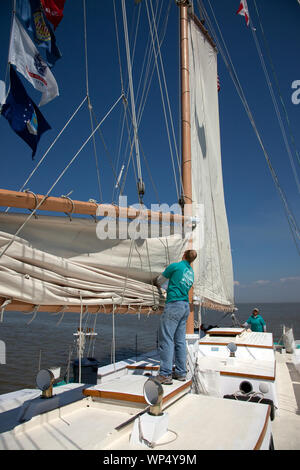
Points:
172	338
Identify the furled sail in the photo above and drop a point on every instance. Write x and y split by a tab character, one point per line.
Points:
213	267
58	262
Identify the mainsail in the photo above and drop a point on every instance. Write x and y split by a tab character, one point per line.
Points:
213	267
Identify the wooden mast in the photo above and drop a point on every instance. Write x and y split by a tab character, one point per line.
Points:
186	130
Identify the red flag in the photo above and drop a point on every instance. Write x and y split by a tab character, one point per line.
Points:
54	10
243	10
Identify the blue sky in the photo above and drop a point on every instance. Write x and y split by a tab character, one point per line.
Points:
265	259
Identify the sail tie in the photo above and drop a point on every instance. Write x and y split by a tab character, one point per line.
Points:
34	312
69	214
62	311
36	201
2	307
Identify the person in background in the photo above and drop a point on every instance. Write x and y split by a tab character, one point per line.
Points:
173	320
256	322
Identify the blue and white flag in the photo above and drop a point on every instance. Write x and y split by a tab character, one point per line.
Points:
25	56
34	18
23	115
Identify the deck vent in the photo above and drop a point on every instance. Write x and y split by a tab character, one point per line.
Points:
153	394
246	387
232	347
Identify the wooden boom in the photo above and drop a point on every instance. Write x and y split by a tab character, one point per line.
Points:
28	200
18	306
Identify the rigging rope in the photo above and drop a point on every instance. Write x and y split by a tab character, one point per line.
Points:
58	179
277	84
291	220
263	64
129	65
48	150
113	345
89	100
161	90
80	339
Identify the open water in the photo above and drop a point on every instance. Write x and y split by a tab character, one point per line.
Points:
47	341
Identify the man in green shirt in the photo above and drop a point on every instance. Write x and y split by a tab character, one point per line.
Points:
172	330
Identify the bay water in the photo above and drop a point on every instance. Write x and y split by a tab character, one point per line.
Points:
49	340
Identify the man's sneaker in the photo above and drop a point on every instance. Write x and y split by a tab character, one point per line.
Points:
181	378
164	380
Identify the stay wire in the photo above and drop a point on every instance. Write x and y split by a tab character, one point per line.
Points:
49	148
277	83
89	100
129	66
291	219
162	94
263	64
58	179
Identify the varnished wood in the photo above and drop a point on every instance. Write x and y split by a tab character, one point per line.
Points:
30	201
106	394
264	430
238	344
26	307
248	376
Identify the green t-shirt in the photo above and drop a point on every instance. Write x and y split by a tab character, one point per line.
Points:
181	278
256	323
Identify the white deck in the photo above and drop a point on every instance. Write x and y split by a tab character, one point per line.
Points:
104	419
205	423
245	338
237	367
286	426
195	422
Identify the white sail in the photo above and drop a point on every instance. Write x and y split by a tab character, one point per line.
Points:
56	261
213	267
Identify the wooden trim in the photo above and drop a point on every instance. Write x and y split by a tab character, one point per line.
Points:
114	395
264	430
30	201
249	376
238	344
225	333
16	305
141	367
177	390
106	394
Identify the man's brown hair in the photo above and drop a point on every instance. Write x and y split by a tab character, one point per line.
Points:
190	255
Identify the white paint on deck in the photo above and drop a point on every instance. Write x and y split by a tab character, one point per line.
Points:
286	426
